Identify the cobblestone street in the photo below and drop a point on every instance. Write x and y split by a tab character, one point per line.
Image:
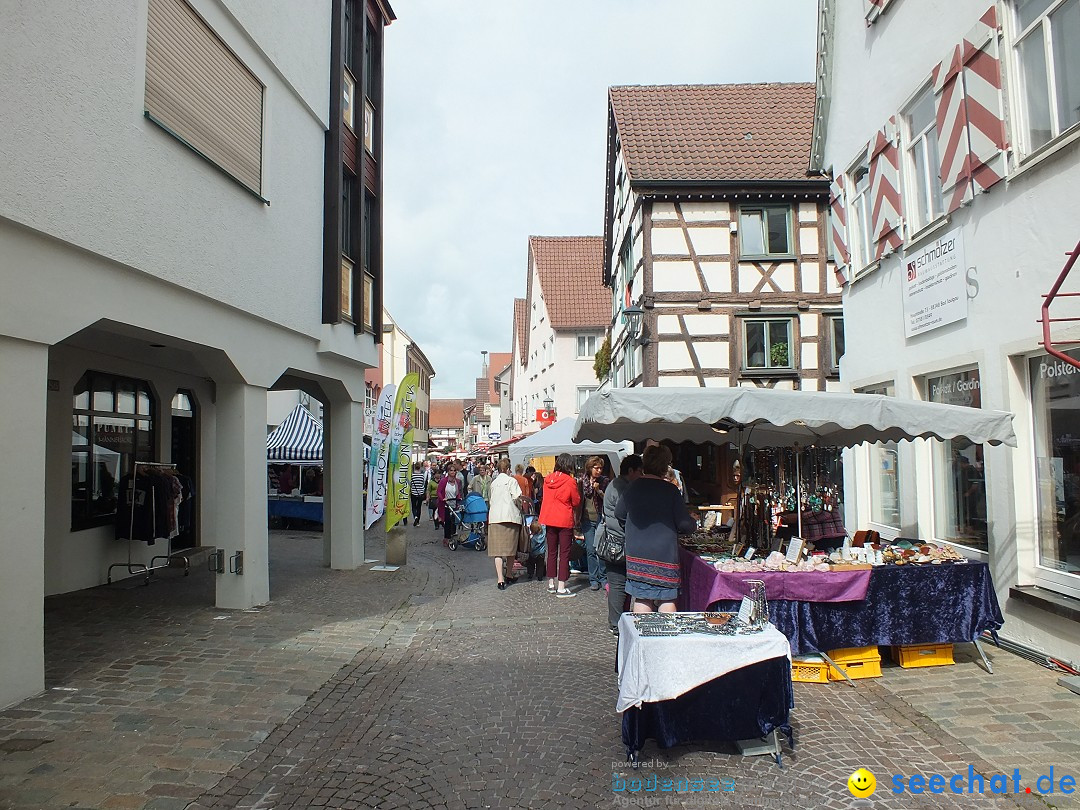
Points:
427	687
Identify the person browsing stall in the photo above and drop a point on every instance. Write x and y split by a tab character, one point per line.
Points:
629	471
558	513
654	514
593	485
504	523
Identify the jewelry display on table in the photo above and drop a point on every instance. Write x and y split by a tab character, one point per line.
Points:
653	625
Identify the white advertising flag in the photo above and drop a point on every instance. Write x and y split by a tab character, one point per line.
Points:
379	458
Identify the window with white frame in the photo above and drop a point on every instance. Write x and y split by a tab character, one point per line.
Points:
835	338
586	347
764	230
767	343
859	229
1048	63
923	174
583	393
623	276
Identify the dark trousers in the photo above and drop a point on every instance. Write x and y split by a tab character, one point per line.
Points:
616	598
535	567
417	506
559	540
448	525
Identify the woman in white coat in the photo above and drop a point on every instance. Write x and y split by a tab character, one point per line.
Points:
504	523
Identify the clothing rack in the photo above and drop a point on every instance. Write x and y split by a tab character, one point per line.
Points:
135	568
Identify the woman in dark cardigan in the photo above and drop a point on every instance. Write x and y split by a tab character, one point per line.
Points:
654	514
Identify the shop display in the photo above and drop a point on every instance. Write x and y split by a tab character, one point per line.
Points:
651	625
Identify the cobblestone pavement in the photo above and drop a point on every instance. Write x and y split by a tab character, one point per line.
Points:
427	687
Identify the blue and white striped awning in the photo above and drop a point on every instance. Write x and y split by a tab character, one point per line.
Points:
298	438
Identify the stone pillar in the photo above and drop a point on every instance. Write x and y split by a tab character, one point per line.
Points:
343	483
24	371
240	500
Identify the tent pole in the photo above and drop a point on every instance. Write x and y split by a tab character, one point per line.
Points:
738	485
798	490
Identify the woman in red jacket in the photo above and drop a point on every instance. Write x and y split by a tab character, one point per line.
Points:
558	512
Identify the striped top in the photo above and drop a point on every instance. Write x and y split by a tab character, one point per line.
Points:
418	483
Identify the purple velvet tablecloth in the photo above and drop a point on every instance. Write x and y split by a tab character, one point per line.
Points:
702	584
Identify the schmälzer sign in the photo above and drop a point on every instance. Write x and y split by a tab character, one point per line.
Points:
934	290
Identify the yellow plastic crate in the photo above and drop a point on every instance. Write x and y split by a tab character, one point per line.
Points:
857	662
910	656
803	671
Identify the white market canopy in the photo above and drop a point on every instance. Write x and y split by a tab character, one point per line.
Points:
766	417
555	439
298	439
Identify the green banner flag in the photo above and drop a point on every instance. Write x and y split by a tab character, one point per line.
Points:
401	440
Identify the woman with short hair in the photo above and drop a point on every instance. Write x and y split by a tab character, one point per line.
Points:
504	523
654	514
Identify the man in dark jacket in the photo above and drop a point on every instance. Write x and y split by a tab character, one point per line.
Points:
629	470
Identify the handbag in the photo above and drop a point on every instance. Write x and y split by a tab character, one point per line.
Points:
608	547
577	550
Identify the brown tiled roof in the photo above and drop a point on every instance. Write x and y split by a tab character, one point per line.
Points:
520	324
570	270
483	393
715	131
496	362
446	413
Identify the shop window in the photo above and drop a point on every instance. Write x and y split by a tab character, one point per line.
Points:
1056	403
959	474
765	231
112	427
1049	69
884	475
767	344
922	164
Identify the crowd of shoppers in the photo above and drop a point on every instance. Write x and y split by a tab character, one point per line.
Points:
544	523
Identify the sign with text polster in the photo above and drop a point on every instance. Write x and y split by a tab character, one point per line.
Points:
935	293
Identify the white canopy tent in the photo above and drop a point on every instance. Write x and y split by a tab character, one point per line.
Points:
765	417
555	439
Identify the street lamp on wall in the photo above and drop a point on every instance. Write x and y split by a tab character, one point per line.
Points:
634	318
549	404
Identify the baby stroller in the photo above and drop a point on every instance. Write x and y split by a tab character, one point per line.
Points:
472	516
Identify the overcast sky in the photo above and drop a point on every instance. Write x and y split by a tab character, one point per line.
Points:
495	130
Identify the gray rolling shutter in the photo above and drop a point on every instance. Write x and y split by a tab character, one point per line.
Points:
198	88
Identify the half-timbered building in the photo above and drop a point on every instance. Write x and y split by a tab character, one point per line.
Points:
715	229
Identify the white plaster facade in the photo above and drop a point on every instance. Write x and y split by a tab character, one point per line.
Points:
552	368
124	252
1014	238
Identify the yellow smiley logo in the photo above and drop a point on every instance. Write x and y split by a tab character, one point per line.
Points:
862	783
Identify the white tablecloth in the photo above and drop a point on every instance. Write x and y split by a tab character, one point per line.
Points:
659	668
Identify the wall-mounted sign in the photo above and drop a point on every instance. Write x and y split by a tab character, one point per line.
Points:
935	293
545	417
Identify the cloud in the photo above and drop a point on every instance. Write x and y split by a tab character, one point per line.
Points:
495	129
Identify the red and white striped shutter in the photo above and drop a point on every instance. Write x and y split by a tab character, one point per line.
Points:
874	9
838	222
984	107
885	220
952	131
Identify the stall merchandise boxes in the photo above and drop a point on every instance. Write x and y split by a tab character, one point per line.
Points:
809	669
857	662
922	655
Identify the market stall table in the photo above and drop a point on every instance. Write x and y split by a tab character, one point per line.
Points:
696	687
903	604
300	508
